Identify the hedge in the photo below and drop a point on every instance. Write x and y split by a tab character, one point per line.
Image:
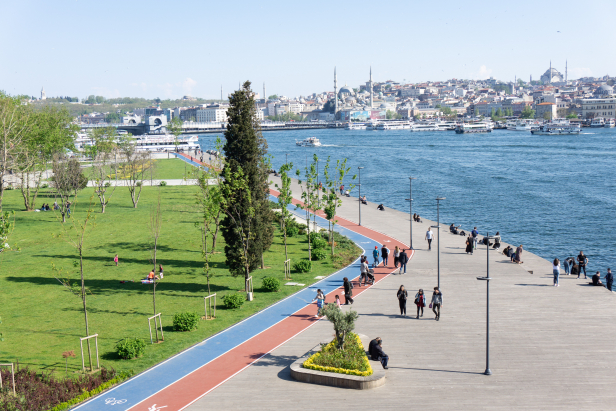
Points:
66	405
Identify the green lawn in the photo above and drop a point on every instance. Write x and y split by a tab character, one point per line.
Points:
41	319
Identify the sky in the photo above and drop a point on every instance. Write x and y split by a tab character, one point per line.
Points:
169	49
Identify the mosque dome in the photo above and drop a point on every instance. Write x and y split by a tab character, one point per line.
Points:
346	90
556	77
605	90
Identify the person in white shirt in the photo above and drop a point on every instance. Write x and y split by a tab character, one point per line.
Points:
556	271
429	236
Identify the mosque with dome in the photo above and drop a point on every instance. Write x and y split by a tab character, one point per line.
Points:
552	75
350	105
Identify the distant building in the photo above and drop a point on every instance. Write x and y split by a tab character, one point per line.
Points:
43	94
546	111
604	107
215	113
552	76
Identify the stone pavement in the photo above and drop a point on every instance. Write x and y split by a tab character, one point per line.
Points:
551	347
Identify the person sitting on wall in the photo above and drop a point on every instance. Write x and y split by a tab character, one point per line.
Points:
375	349
364	201
596	280
380	207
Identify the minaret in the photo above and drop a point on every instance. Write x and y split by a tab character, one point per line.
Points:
335	93
371	90
221	94
264	95
43	94
565	71
550	71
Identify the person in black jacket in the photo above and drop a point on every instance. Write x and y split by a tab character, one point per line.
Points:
348	291
403	259
376	352
402	297
609	279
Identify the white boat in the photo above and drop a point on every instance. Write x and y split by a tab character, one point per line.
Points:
430	126
471	128
355	126
447	125
526	125
597	122
309	142
166	142
558	128
372	125
394	125
610	122
510	125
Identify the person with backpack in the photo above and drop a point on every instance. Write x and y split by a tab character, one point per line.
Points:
348	291
403	259
402	297
420	302
375	254
385	255
436	303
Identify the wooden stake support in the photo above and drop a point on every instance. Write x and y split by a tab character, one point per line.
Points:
210	302
12	374
83	360
157	325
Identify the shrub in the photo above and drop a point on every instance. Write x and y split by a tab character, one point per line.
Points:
314	236
350	359
319	254
185	321
162	183
130	348
302	266
233	301
271	284
138	184
45	185
107	184
292	229
318	243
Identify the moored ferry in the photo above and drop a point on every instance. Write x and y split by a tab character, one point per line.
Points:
610	122
394	125
471	128
558	128
430	126
355	126
166	142
597	122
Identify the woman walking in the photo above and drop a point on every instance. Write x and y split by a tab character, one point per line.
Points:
320	300
420	301
348	291
402	296
396	256
556	271
469	245
518	255
436	303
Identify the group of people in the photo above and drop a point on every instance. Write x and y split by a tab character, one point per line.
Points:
514	255
578	265
416	218
420	301
45	207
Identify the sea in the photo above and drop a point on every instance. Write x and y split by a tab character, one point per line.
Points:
556	195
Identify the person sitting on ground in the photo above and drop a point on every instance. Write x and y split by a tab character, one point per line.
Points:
43	207
596	280
347	193
55	205
152	276
518	255
363	200
453	229
380	207
507	251
497	241
418	218
485	241
375	349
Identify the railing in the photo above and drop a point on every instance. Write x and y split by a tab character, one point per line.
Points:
207	302
83	360
156	327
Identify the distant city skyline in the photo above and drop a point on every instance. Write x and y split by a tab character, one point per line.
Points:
149	49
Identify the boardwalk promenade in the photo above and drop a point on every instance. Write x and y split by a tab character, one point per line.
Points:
552	348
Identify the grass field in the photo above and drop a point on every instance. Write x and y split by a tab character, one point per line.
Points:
41	318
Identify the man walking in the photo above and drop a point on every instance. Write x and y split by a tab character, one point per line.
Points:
363	270
436	303
609	279
375	254
375	349
385	255
582	261
429	235
403	259
475	235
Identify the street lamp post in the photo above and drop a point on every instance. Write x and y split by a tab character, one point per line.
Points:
359	168
410	200
438	244
487	280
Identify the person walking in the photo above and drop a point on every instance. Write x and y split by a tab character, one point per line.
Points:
337	301
403	259
436	303
556	271
115	260
475	235
385	255
402	296
342	189
469	245
420	302
518	255
396	256
429	235
375	255
348	291
363	270
582	262
609	279
320	300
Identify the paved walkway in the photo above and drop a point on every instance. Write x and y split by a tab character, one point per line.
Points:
183	379
552	348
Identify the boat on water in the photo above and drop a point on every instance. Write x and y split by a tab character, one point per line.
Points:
510	125
526	125
166	142
471	128
447	125
597	122
355	126
372	125
429	126
558	128
394	125
610	122
309	142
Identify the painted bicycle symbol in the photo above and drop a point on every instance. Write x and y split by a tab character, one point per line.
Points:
113	401
155	408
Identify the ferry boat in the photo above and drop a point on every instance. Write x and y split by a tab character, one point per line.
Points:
372	125
166	142
510	125
597	122
394	125
447	125
309	142
610	122
557	127
481	127
431	126
355	126
526	125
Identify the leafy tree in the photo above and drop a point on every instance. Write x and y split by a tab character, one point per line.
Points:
547	115
330	196
113	118
392	115
499	113
329	106
273	97
175	127
343	321
527	113
104	152
135	168
245	152
285	198
99	99
572	115
67	180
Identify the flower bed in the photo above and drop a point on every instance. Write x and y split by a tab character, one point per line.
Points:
351	360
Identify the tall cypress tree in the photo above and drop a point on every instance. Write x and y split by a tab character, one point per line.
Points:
246	148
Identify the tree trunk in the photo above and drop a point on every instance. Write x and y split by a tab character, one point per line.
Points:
85	311
217	221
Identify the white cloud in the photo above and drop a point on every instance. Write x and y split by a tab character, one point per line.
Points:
188	85
483	73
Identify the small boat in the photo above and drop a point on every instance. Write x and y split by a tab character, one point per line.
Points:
355	126
558	128
309	142
609	122
597	122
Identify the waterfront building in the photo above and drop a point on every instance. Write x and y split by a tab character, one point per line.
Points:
598	107
546	111
215	113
